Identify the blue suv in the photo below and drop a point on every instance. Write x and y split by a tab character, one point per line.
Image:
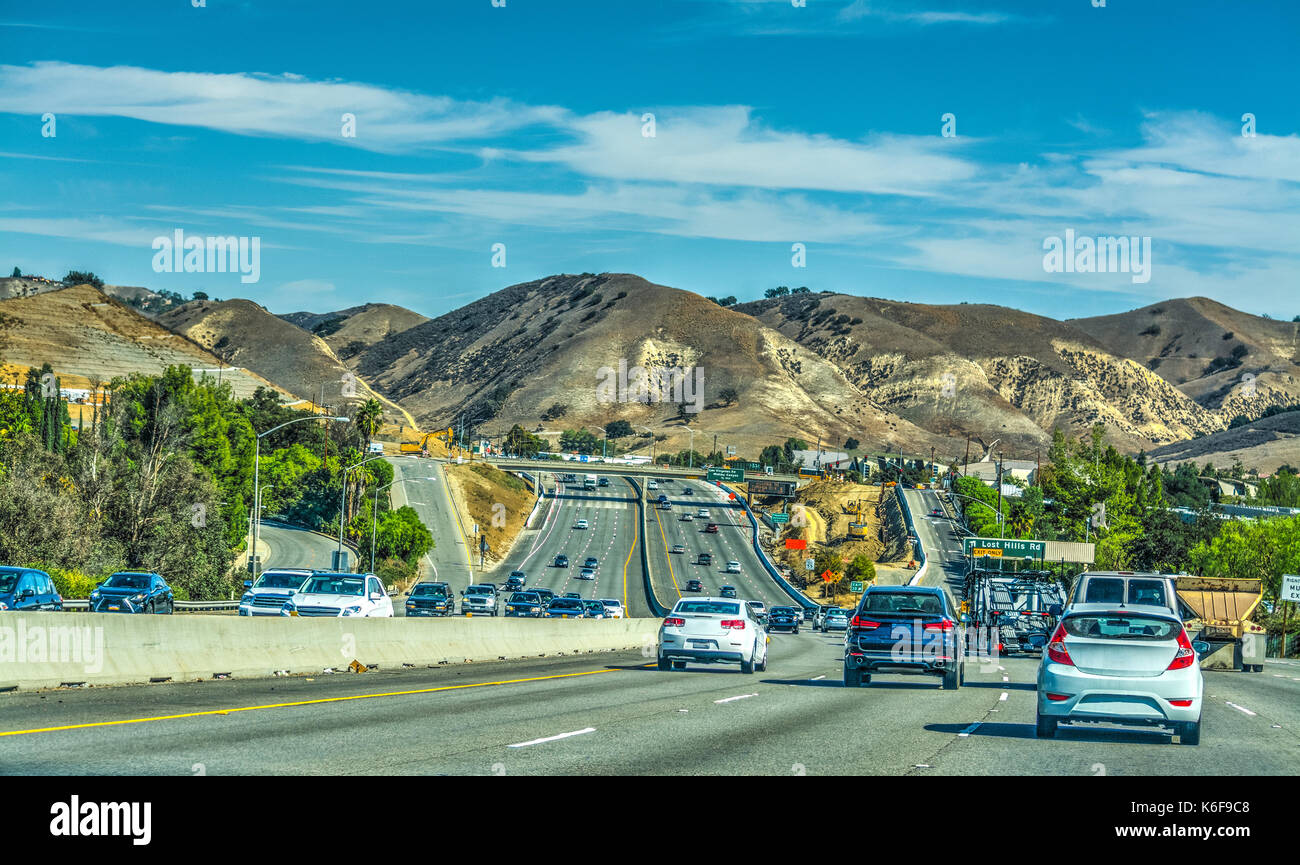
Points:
27	589
133	592
905	629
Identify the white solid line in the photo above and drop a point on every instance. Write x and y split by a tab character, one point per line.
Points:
553	738
815	678
971	729
729	699
1003	698
1240	708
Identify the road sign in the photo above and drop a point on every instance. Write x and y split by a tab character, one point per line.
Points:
731	450
772	488
753	467
1291	587
780	518
809	564
855	586
796	544
827	576
735	476
999	546
582	458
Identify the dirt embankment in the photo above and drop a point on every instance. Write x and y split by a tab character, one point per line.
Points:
497	501
821	514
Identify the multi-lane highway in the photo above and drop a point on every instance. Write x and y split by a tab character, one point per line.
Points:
615	715
612	536
294	547
732	542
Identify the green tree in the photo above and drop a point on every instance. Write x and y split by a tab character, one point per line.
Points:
583	441
80	277
850	444
520	441
369	418
861	568
619	429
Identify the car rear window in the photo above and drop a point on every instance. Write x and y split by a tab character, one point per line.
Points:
710	607
1121	626
525	598
1147	592
1104	590
902	602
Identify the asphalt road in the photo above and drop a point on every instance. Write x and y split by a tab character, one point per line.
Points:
671	571
613	537
941	542
449	560
612	714
292	547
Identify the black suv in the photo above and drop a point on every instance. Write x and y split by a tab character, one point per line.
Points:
694	586
430	599
705	559
561	561
782	619
905	629
526	604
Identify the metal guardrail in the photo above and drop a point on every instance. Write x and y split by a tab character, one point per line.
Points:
799	598
78	606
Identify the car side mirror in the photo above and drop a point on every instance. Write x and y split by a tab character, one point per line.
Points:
965	619
1200	647
248	584
406	593
1054	610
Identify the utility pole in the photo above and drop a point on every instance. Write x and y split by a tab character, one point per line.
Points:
1001	530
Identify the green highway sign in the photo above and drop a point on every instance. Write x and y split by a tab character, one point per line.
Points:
735	476
780	518
855	586
753	467
999	547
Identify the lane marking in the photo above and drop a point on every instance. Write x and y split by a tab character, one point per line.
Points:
731	699
305	703
971	729
1240	708
816	678
553	738
636	535
1003	698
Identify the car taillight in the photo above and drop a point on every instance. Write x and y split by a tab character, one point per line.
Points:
941	625
1186	655
859	622
674	622
1057	698
1183	704
997	612
1056	648
738	624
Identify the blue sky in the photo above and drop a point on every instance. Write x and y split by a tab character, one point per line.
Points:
774	125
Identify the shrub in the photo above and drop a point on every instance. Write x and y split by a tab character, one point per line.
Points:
71	583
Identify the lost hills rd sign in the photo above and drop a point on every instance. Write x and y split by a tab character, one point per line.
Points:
999	547
735	476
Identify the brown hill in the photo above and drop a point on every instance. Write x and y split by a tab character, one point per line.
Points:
1229	361
1263	444
81	331
986	371
519	351
351	332
245	334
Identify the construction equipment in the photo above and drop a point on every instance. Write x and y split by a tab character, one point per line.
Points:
422	446
1217	610
1015	607
858	525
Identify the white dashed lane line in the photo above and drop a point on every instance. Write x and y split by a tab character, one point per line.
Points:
553	738
1240	708
732	699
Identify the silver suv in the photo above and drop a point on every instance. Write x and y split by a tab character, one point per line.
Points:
273	588
1130	588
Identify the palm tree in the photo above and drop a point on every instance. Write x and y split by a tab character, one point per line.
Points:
369	418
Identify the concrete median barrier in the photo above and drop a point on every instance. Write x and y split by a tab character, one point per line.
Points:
41	650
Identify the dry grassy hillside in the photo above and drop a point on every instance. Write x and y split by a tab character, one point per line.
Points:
1227	360
82	332
986	371
519	351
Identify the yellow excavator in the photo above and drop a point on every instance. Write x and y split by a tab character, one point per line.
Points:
858	525
422	446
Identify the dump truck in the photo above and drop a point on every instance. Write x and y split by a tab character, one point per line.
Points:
1217	610
1016	608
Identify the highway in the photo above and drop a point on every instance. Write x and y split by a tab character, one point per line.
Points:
671	571
614	715
613	537
293	547
449	560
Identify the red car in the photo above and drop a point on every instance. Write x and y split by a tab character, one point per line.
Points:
711	529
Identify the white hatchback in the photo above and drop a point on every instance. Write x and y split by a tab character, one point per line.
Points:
1131	666
712	631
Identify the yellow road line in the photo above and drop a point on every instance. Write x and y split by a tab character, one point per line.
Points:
303	703
668	555
636	534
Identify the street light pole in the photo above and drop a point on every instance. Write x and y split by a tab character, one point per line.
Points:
690	448
374	514
343	499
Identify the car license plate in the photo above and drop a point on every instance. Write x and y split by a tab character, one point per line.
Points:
701	644
114	607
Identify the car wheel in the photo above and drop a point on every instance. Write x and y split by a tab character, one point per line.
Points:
1044	727
762	667
171	608
796	630
747	667
852	677
664	664
1189	733
952	679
